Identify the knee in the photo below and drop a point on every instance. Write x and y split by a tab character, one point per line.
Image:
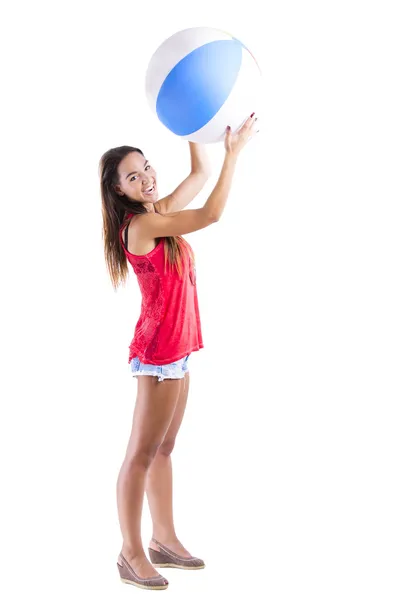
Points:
141	457
166	447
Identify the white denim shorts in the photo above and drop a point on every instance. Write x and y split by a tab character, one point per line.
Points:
175	370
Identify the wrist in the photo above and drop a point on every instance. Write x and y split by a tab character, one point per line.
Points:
199	158
231	157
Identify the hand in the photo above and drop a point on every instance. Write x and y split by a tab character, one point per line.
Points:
234	142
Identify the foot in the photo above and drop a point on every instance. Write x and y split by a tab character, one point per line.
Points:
140	564
171	543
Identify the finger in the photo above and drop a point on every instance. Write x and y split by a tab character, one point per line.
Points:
254	125
248	123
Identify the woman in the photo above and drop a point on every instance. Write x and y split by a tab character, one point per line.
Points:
146	232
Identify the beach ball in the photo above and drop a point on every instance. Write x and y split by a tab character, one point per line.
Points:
199	81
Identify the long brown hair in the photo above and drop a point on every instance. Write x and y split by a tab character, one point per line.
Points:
115	209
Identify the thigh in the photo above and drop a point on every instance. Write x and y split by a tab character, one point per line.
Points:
154	410
179	410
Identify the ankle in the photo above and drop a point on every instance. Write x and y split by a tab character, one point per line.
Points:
131	553
165	537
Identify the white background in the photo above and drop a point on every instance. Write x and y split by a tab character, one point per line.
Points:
287	464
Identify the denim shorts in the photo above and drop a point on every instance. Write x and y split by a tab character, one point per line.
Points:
175	370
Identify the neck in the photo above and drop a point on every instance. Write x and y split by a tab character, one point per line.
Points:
149	206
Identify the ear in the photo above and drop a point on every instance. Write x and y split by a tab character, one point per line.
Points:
119	191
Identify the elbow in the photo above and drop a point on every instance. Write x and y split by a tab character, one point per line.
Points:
213	218
203	174
209	216
206	173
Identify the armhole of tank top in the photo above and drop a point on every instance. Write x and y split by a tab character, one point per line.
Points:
126	236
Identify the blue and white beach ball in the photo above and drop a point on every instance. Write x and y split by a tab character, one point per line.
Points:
199	81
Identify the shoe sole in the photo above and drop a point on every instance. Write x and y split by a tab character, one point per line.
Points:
144	587
174	566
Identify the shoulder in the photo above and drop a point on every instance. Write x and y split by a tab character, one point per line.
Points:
141	222
140	239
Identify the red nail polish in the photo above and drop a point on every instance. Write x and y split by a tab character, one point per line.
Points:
252	115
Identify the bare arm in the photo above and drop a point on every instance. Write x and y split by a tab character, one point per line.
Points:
191	186
153	225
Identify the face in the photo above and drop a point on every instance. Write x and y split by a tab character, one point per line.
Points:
137	179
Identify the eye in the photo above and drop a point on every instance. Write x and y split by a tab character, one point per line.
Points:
133	178
147	167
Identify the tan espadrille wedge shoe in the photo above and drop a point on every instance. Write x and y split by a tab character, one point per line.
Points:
167	558
128	575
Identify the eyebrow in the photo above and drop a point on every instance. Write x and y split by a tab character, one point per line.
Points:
134	172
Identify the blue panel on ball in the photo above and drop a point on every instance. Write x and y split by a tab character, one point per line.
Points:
198	86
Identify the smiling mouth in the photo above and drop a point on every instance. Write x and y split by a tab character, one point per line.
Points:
150	190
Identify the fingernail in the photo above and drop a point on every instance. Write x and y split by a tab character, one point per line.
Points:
252	115
229	128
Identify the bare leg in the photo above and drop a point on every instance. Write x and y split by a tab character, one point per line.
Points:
159	481
154	411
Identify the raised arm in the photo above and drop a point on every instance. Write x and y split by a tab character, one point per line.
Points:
153	225
191	186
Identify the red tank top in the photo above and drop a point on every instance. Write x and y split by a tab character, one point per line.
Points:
169	326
